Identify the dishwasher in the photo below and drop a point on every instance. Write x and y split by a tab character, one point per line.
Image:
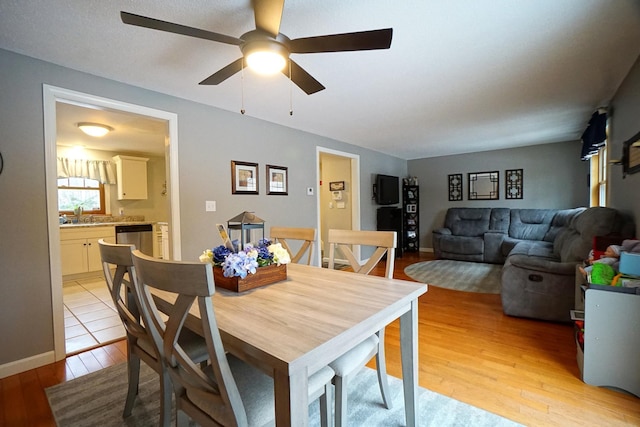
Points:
140	235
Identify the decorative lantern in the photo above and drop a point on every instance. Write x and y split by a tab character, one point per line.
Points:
245	222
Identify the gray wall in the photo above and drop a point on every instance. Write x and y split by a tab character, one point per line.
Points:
209	139
553	176
624	124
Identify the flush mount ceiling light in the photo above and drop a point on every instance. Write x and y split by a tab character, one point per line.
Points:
94	129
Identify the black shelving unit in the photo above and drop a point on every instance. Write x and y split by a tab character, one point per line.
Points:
410	221
390	219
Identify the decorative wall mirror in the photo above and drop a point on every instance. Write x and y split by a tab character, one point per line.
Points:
483	185
631	155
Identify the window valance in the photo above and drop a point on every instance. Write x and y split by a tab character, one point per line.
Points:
101	170
595	136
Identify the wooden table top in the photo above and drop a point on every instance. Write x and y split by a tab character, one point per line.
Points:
309	319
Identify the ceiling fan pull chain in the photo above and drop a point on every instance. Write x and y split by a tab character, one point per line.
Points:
290	91
242	89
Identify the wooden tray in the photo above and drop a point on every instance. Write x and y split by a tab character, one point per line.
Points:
264	276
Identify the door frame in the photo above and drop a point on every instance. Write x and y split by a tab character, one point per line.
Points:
52	95
355	190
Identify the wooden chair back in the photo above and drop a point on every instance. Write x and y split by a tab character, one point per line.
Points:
193	283
383	241
122	294
345	366
306	235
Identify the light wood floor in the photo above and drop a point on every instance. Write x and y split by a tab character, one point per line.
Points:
522	369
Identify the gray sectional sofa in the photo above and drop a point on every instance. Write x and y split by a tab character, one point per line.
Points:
538	247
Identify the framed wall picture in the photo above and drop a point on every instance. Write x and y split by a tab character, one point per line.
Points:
513	183
455	187
631	155
244	177
336	186
277	180
484	185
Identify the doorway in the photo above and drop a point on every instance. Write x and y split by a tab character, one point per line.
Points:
337	210
51	97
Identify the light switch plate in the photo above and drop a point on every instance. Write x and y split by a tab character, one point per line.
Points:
210	206
309	191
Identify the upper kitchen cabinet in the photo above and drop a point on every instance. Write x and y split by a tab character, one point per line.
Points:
132	177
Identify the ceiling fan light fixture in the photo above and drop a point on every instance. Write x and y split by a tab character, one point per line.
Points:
265	56
266	62
94	129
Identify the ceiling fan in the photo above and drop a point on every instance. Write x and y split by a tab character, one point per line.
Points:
266	43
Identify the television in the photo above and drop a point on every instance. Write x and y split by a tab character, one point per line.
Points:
387	190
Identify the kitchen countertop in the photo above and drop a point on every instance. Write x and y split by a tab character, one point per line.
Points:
104	224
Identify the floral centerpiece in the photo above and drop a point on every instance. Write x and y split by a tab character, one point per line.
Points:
248	268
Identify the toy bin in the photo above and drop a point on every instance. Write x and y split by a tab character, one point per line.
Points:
630	264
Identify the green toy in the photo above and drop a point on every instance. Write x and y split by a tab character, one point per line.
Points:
602	274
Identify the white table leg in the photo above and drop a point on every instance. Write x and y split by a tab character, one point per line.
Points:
409	354
292	399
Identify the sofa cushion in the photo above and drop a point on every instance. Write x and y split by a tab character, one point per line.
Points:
499	220
530	224
462	245
538	249
560	221
468	222
574	243
508	243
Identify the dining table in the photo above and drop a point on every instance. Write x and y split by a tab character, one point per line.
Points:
293	328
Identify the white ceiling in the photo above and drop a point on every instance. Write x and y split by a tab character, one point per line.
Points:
132	133
461	76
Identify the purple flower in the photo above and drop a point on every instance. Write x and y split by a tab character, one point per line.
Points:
219	254
242	262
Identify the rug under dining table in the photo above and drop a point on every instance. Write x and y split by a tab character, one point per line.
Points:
97	399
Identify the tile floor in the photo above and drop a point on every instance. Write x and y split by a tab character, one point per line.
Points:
90	319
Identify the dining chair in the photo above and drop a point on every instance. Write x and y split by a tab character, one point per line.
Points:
349	364
228	392
307	235
139	343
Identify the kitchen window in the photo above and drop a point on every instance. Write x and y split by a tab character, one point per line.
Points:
80	192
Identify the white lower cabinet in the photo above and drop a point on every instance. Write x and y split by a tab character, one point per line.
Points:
611	340
79	248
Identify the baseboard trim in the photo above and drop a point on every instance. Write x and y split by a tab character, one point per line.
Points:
26	364
425	250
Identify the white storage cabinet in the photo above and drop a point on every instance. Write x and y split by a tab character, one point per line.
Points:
132	177
611	340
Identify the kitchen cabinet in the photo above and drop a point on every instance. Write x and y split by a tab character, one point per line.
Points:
79	249
132	177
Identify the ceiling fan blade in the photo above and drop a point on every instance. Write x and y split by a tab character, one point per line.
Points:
268	15
363	40
223	74
170	27
302	79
